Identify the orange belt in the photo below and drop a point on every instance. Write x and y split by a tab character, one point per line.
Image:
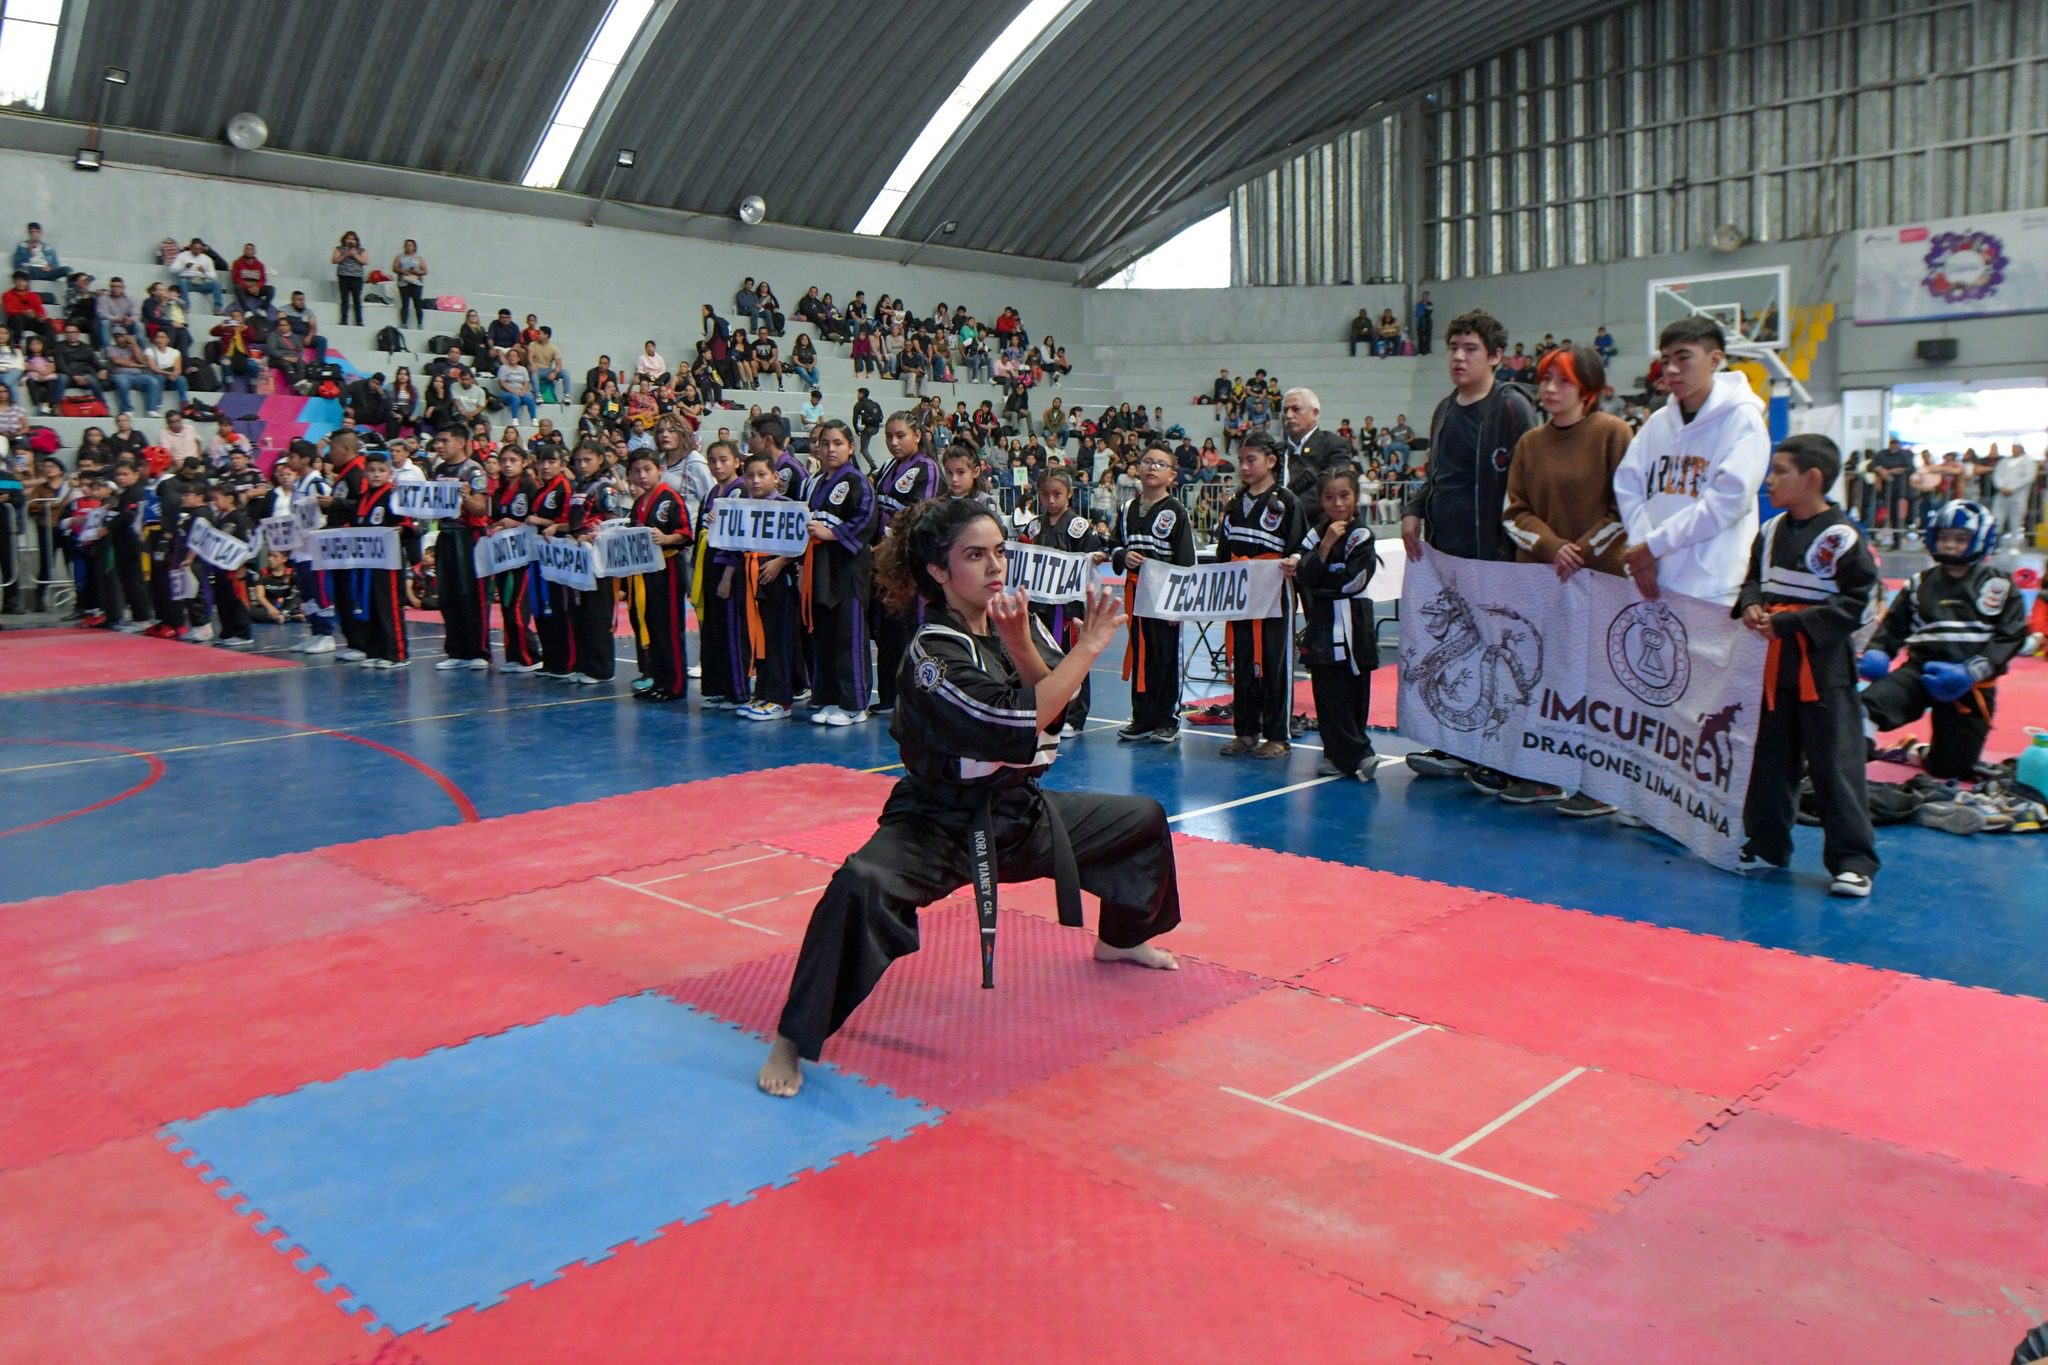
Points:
1258	635
804	583
757	633
1808	690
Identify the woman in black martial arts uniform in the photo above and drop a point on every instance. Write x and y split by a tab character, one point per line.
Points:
980	701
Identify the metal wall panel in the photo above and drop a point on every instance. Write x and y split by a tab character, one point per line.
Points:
1641	131
1330	216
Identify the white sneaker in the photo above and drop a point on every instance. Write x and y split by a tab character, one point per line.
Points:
509	667
585	680
477	665
447	665
199	634
1068	732
840	717
824	714
1856	884
349	656
319	644
559	677
764	710
378	663
695	670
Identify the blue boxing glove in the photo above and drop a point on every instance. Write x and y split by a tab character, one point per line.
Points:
1946	682
1874	664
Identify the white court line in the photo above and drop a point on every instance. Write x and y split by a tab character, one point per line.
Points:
1222	732
1258	796
1291	1091
1436	1157
685	905
716	867
1524	1107
770	900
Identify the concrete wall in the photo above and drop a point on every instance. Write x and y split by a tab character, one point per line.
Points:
122	212
1123	317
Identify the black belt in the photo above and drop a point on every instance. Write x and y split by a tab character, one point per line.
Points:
981	845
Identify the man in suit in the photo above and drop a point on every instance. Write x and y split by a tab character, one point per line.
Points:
1311	452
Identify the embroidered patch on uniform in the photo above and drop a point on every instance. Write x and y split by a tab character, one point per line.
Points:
1825	554
929	673
1164	526
1357	536
1500	459
1991	597
519	505
1270	518
376	516
1078	527
906	480
839	491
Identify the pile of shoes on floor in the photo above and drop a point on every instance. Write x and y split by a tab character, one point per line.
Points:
1994	804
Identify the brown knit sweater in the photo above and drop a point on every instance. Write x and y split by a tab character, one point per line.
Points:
1561	492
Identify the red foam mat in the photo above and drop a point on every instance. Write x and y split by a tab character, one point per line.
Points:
517	853
41	660
178	1043
1937	1068
1704	1014
1783	1243
83	938
684	918
118	1255
980	1248
1275	914
929	1030
1379	711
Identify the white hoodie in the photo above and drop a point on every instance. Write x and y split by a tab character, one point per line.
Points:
1688	490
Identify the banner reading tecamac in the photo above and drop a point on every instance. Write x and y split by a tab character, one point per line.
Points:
567	562
1051	575
762	525
217	547
1241	590
355	547
626	551
427	499
1649	705
512	549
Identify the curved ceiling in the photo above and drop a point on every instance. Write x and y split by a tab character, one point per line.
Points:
1127	111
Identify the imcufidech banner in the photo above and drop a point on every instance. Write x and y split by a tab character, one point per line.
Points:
1649	705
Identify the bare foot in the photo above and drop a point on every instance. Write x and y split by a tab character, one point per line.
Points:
1144	955
782	1074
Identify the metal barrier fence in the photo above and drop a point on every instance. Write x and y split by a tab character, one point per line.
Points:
40	562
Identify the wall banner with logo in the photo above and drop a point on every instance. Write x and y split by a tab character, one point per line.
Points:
1240	590
1950	268
1651	706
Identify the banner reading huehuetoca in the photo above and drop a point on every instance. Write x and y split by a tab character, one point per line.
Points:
1241	590
427	499
1651	706
355	547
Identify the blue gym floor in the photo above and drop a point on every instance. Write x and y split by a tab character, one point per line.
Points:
272	762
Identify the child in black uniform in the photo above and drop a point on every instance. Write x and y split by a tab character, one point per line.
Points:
1810	580
230	587
838	564
1059	527
659	597
1332	570
1960	624
907	478
511	501
722	656
591	613
1261	521
977	717
550	517
378	594
1152	525
766	588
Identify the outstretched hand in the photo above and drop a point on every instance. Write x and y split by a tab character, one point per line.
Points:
1009	613
1106	616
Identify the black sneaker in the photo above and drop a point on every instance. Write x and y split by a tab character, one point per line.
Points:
1165	734
1131	734
1755	862
1527	793
1488	779
1579	806
1437	763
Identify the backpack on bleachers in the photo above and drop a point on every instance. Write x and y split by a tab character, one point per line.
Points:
439	345
203	376
390	339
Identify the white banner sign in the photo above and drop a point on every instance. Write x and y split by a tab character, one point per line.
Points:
1241	590
1946	268
307	515
280	533
1051	575
217	547
428	499
626	551
761	525
567	562
355	547
1651	706
513	549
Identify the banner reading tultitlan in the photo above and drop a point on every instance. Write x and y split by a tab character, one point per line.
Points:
1651	706
216	546
1050	575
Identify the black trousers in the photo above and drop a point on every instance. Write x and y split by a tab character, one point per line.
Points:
384	627
1062	623
717	650
839	654
1261	685
1825	738
351	289
157	546
127	588
590	630
1342	700
409	301
893	635
516	617
775	671
1155	674
664	656
355	631
465	610
867	917
1960	727
556	626
230	600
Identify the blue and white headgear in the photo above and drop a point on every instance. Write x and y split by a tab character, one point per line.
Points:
1973	517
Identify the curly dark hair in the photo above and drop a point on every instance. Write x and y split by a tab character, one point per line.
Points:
918	539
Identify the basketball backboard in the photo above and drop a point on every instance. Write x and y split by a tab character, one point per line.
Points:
1750	305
